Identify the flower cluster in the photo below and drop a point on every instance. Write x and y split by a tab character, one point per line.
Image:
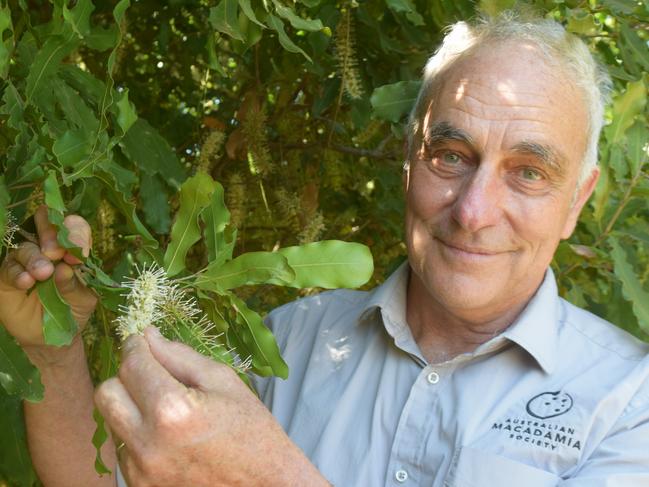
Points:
142	307
153	299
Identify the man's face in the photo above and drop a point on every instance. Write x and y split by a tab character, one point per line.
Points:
491	187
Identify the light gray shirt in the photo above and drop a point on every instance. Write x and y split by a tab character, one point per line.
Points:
559	398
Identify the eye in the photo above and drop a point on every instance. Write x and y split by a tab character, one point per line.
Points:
531	174
451	158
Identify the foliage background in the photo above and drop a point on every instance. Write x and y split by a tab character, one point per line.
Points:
298	108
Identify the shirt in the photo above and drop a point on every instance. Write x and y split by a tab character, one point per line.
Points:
560	398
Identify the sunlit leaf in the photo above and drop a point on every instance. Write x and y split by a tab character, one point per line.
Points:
259	339
195	196
215	218
246	269
329	264
631	285
59	327
295	20
392	102
277	25
625	108
224	18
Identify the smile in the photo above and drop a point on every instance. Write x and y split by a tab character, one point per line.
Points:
465	252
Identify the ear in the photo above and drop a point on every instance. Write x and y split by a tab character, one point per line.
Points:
584	192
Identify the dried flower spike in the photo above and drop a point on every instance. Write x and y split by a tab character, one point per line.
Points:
10	231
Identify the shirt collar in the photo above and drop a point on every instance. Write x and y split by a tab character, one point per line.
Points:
535	329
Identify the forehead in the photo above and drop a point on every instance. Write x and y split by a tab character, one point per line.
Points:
515	91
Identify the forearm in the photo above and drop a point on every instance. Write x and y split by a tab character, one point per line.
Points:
60	428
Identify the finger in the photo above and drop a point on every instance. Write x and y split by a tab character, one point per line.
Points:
47	235
34	262
15	275
65	279
79	234
119	410
145	379
185	364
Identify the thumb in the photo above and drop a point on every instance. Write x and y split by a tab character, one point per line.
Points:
181	361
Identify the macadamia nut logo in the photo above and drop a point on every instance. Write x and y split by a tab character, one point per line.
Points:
549	405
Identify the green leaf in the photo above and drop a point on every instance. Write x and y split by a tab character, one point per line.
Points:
329	264
99	437
127	208
73	148
297	21
46	63
246	269
78	17
195	196
247	10
277	25
494	7
15	463
215	217
631	285
258	339
6	44
59	327
637	140
391	102
56	213
17	374
4	201
143	145
225	18
126	115
155	203
407	7
637	47
625	107
623	7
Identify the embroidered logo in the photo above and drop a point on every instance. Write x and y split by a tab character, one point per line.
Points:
549	405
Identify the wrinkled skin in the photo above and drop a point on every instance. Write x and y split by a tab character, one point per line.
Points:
186	420
20	310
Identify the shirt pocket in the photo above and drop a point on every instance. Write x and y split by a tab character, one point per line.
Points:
477	468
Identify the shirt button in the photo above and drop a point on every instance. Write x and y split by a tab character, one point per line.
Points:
433	377
401	475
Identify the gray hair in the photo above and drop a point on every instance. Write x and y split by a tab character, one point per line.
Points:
556	44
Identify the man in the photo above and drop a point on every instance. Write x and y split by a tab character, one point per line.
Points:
463	369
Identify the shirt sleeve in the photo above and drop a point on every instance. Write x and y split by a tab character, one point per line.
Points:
622	458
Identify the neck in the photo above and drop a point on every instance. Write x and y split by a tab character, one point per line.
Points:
442	333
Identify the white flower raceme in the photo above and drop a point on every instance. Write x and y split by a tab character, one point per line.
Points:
147	292
153	299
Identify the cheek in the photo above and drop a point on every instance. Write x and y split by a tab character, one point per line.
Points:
427	196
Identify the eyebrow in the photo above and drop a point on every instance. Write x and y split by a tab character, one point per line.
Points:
547	154
443	131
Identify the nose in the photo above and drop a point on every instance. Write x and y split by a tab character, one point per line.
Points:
479	201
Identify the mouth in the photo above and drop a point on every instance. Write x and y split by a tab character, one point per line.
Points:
465	251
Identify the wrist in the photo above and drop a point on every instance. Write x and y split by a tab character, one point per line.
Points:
51	357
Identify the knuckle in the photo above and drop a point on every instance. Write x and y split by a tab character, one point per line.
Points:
172	412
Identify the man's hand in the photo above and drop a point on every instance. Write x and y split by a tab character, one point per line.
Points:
186	420
20	310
